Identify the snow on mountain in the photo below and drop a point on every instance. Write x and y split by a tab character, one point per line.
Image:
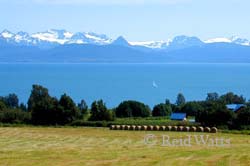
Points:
23	38
68	34
241	41
89	38
53	37
20	38
78	38
218	40
234	39
64	37
98	38
151	44
175	43
7	34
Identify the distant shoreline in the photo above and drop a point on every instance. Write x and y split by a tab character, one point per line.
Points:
124	63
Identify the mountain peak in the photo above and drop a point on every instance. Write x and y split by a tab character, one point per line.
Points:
182	41
6	34
121	41
22	33
61	36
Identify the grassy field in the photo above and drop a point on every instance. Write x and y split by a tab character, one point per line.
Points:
41	146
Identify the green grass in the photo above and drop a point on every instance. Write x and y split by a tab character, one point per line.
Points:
246	132
45	146
161	121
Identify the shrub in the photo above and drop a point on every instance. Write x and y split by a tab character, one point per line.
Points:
243	117
14	116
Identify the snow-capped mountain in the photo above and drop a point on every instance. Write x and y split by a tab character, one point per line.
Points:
180	42
6	34
54	37
65	37
89	38
152	44
234	40
61	46
177	42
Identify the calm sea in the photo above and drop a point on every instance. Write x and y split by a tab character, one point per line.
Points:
149	83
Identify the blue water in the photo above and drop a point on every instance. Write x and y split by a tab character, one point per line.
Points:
117	82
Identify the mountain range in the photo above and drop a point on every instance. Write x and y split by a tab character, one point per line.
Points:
65	47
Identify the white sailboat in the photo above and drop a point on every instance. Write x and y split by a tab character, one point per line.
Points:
155	85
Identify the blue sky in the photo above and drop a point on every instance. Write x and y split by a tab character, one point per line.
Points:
136	20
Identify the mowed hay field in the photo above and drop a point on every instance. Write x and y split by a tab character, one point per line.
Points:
45	146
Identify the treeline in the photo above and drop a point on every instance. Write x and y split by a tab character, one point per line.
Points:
43	109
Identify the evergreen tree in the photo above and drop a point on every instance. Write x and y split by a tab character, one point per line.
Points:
99	112
180	100
69	110
212	96
41	105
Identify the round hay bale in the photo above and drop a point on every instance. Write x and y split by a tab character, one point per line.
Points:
150	128
144	128
127	127
214	130
132	127
112	127
138	128
200	129
156	128
174	128
123	127
162	128
193	129
207	129
117	127
168	128
186	128
180	128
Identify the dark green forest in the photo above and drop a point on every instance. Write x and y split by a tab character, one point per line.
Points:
43	109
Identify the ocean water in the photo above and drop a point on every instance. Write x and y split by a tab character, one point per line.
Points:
149	83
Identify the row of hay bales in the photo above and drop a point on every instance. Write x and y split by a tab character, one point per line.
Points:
164	128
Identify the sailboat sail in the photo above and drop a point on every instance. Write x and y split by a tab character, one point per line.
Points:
155	85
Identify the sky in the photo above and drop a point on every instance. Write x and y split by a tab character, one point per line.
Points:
136	20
